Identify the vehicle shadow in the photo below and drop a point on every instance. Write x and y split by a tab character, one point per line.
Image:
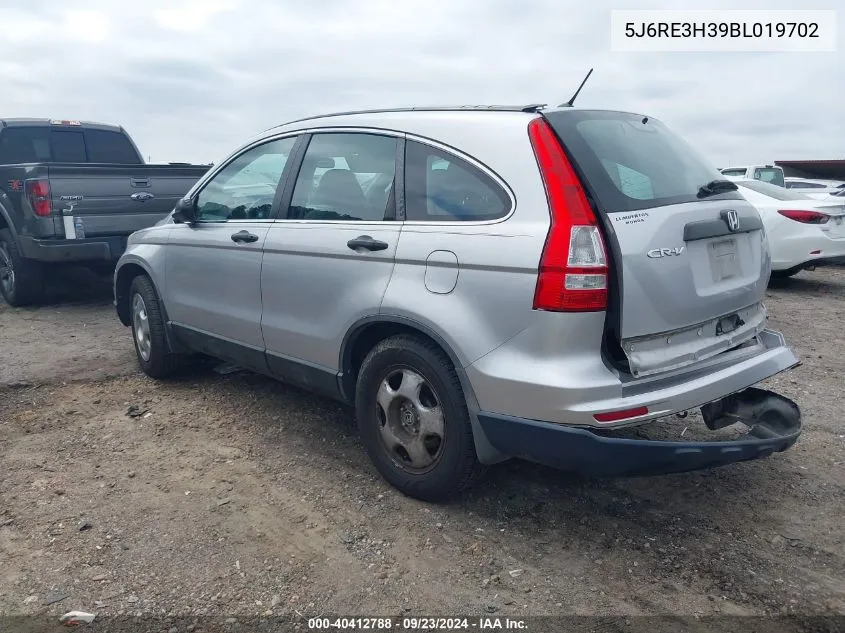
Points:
811	283
536	497
74	285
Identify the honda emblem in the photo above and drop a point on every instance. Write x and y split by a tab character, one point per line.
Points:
731	218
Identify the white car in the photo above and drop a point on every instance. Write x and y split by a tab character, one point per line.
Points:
764	173
816	188
803	232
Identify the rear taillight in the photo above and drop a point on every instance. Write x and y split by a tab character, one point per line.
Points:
805	217
38	192
573	267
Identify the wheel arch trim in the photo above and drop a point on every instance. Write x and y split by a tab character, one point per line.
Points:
123	314
485	451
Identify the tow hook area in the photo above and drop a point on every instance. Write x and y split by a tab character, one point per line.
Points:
769	415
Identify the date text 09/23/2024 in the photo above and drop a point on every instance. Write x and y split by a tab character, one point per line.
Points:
417	624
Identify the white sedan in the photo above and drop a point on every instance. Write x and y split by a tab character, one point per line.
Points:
803	232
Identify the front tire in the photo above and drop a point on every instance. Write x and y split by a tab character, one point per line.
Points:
148	330
21	279
413	419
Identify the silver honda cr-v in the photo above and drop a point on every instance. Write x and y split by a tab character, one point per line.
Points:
480	283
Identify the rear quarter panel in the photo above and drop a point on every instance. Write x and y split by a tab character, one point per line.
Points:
492	266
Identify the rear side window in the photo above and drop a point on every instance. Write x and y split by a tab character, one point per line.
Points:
632	162
346	177
105	146
440	187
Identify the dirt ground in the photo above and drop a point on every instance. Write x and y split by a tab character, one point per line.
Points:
234	496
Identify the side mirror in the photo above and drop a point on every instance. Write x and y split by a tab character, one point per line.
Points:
185	211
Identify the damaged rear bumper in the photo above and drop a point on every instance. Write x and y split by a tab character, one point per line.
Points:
774	425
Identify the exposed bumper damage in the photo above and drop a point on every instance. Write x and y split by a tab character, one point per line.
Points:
774	425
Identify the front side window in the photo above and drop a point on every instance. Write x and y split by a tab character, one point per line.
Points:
346	177
440	187
246	187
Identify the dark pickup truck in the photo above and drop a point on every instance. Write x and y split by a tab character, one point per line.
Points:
72	192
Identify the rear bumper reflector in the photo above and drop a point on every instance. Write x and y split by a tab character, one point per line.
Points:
616	416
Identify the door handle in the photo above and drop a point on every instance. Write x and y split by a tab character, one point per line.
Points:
367	243
244	237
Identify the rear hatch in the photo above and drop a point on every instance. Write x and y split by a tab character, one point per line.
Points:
690	257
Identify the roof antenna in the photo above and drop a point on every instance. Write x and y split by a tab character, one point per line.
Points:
569	103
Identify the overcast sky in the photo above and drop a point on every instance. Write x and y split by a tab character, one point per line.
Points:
192	79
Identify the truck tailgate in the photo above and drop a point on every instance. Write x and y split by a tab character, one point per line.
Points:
119	199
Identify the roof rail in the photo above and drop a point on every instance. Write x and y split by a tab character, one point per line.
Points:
533	107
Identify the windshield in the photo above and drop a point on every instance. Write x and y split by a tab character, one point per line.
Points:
773	191
633	162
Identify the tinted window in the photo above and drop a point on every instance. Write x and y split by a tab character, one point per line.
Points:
632	162
24	145
346	177
41	144
773	191
734	172
68	147
110	147
442	187
246	187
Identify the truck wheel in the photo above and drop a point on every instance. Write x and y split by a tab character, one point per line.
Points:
413	419
148	330
21	280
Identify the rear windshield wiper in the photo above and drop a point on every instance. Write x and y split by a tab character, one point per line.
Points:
716	186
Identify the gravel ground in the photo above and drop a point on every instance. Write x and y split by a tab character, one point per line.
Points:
236	496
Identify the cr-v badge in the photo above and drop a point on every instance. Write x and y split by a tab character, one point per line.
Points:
656	253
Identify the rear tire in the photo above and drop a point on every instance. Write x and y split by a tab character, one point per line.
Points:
417	433
148	330
21	279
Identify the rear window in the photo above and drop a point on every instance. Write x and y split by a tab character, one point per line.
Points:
631	162
734	172
42	144
67	147
105	146
773	191
769	174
